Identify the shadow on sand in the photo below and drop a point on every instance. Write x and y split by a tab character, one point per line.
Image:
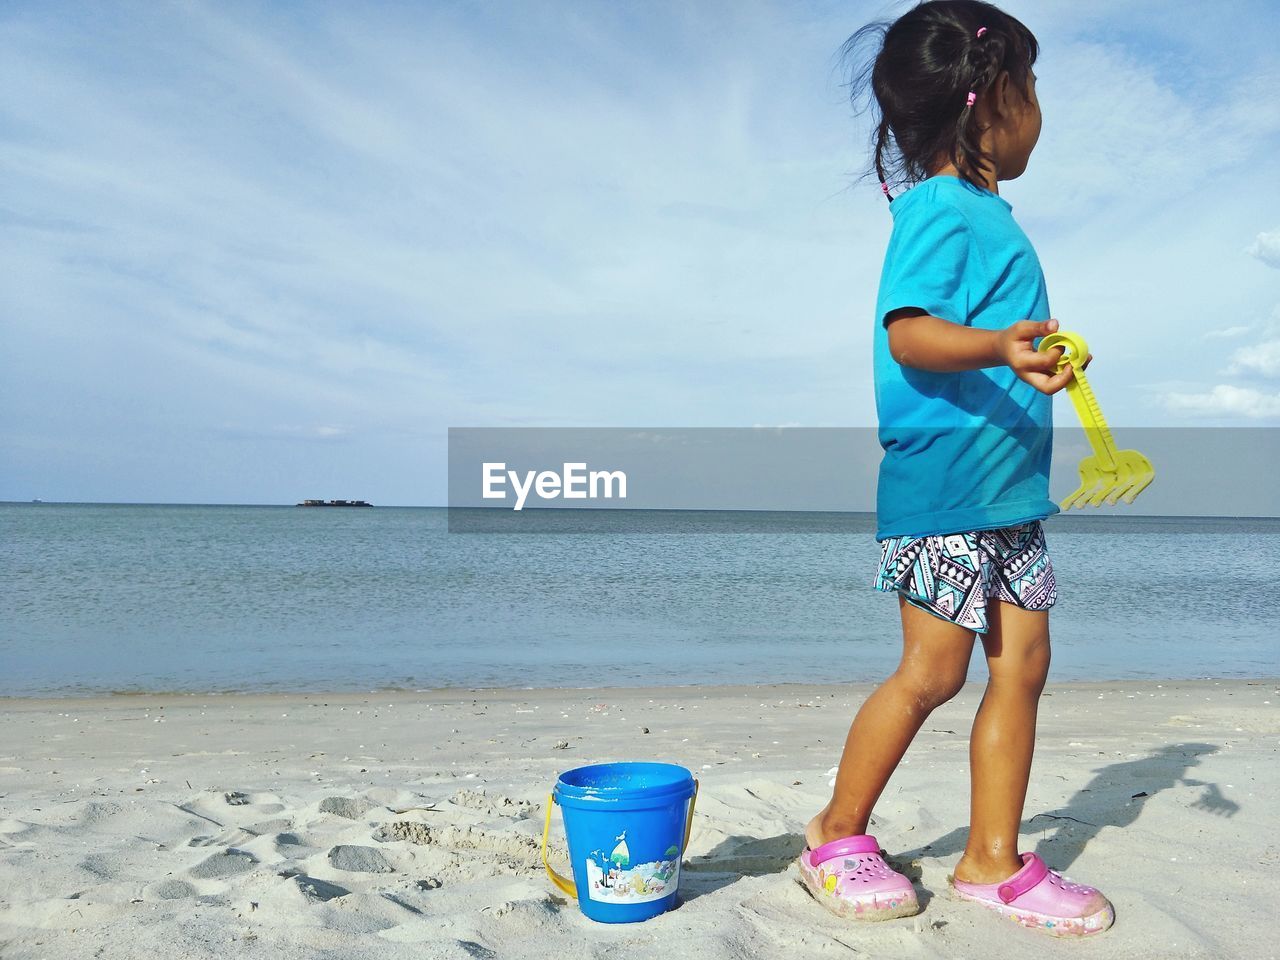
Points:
1113	798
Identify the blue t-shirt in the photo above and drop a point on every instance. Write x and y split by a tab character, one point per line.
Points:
967	450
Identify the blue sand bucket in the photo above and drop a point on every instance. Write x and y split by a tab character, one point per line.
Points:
627	825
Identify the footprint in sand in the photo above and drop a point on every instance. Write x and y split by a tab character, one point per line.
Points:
316	891
292	844
230	837
226	863
498	806
508	853
170	888
261	802
350	808
359	859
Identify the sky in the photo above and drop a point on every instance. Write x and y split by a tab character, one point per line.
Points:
259	252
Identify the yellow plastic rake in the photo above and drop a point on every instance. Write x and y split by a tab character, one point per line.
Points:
1109	475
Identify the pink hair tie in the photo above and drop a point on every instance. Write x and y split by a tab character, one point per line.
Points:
972	94
885	187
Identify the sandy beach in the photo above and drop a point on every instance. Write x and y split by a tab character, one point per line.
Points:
407	824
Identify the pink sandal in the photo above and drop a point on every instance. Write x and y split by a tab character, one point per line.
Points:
851	879
1042	899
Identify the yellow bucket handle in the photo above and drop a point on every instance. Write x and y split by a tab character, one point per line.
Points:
567	885
564	883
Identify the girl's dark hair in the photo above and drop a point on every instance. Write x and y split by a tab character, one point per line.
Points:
927	62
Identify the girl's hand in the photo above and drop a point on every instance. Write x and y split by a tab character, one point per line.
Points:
1014	345
924	342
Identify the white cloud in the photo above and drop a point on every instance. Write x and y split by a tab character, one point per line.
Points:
417	216
1226	333
284	431
1226	401
1266	247
1262	358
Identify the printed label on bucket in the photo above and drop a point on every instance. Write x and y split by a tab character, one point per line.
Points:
612	878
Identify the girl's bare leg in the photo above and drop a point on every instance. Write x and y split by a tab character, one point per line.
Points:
1003	740
935	659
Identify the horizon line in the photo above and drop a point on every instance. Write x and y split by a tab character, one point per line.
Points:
429	506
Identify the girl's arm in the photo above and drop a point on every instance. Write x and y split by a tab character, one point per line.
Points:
925	342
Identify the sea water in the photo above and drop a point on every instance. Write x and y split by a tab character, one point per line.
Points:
100	598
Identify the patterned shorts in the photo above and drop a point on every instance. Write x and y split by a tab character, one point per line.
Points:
954	575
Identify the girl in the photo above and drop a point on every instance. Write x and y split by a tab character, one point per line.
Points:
964	401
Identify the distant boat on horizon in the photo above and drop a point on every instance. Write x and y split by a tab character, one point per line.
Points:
335	503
